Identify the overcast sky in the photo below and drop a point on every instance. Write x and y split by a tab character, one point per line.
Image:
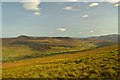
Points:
73	19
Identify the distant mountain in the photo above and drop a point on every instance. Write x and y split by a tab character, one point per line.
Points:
40	38
104	38
19	47
109	38
24	37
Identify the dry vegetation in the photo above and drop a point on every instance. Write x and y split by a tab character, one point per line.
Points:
60	57
19	49
98	63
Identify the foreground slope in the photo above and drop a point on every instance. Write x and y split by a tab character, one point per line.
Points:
96	63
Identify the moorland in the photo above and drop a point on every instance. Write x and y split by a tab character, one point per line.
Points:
61	57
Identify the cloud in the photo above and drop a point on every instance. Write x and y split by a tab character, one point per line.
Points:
32	6
94	4
91	31
62	29
70	8
117	4
37	13
85	16
113	1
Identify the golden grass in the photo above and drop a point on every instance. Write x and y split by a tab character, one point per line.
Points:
98	63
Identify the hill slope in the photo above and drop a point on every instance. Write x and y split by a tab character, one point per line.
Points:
96	63
110	38
26	47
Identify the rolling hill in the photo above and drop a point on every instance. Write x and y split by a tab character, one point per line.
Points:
25	47
110	38
99	63
60	57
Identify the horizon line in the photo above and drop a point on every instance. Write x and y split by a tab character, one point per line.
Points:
62	36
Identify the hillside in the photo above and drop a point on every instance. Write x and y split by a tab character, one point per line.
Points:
97	63
110	38
60	57
26	47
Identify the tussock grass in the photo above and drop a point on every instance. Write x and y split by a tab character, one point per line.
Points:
101	63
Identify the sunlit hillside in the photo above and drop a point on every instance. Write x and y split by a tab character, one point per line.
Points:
25	47
97	63
60	57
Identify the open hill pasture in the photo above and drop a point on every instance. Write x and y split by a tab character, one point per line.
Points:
97	63
60	57
25	47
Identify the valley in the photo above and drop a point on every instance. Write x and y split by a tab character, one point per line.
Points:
59	57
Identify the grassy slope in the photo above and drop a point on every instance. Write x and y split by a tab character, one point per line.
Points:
17	49
96	63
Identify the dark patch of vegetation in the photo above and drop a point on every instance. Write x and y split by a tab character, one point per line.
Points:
38	55
102	44
41	46
33	45
62	38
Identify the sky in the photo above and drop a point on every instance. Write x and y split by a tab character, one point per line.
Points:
59	19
